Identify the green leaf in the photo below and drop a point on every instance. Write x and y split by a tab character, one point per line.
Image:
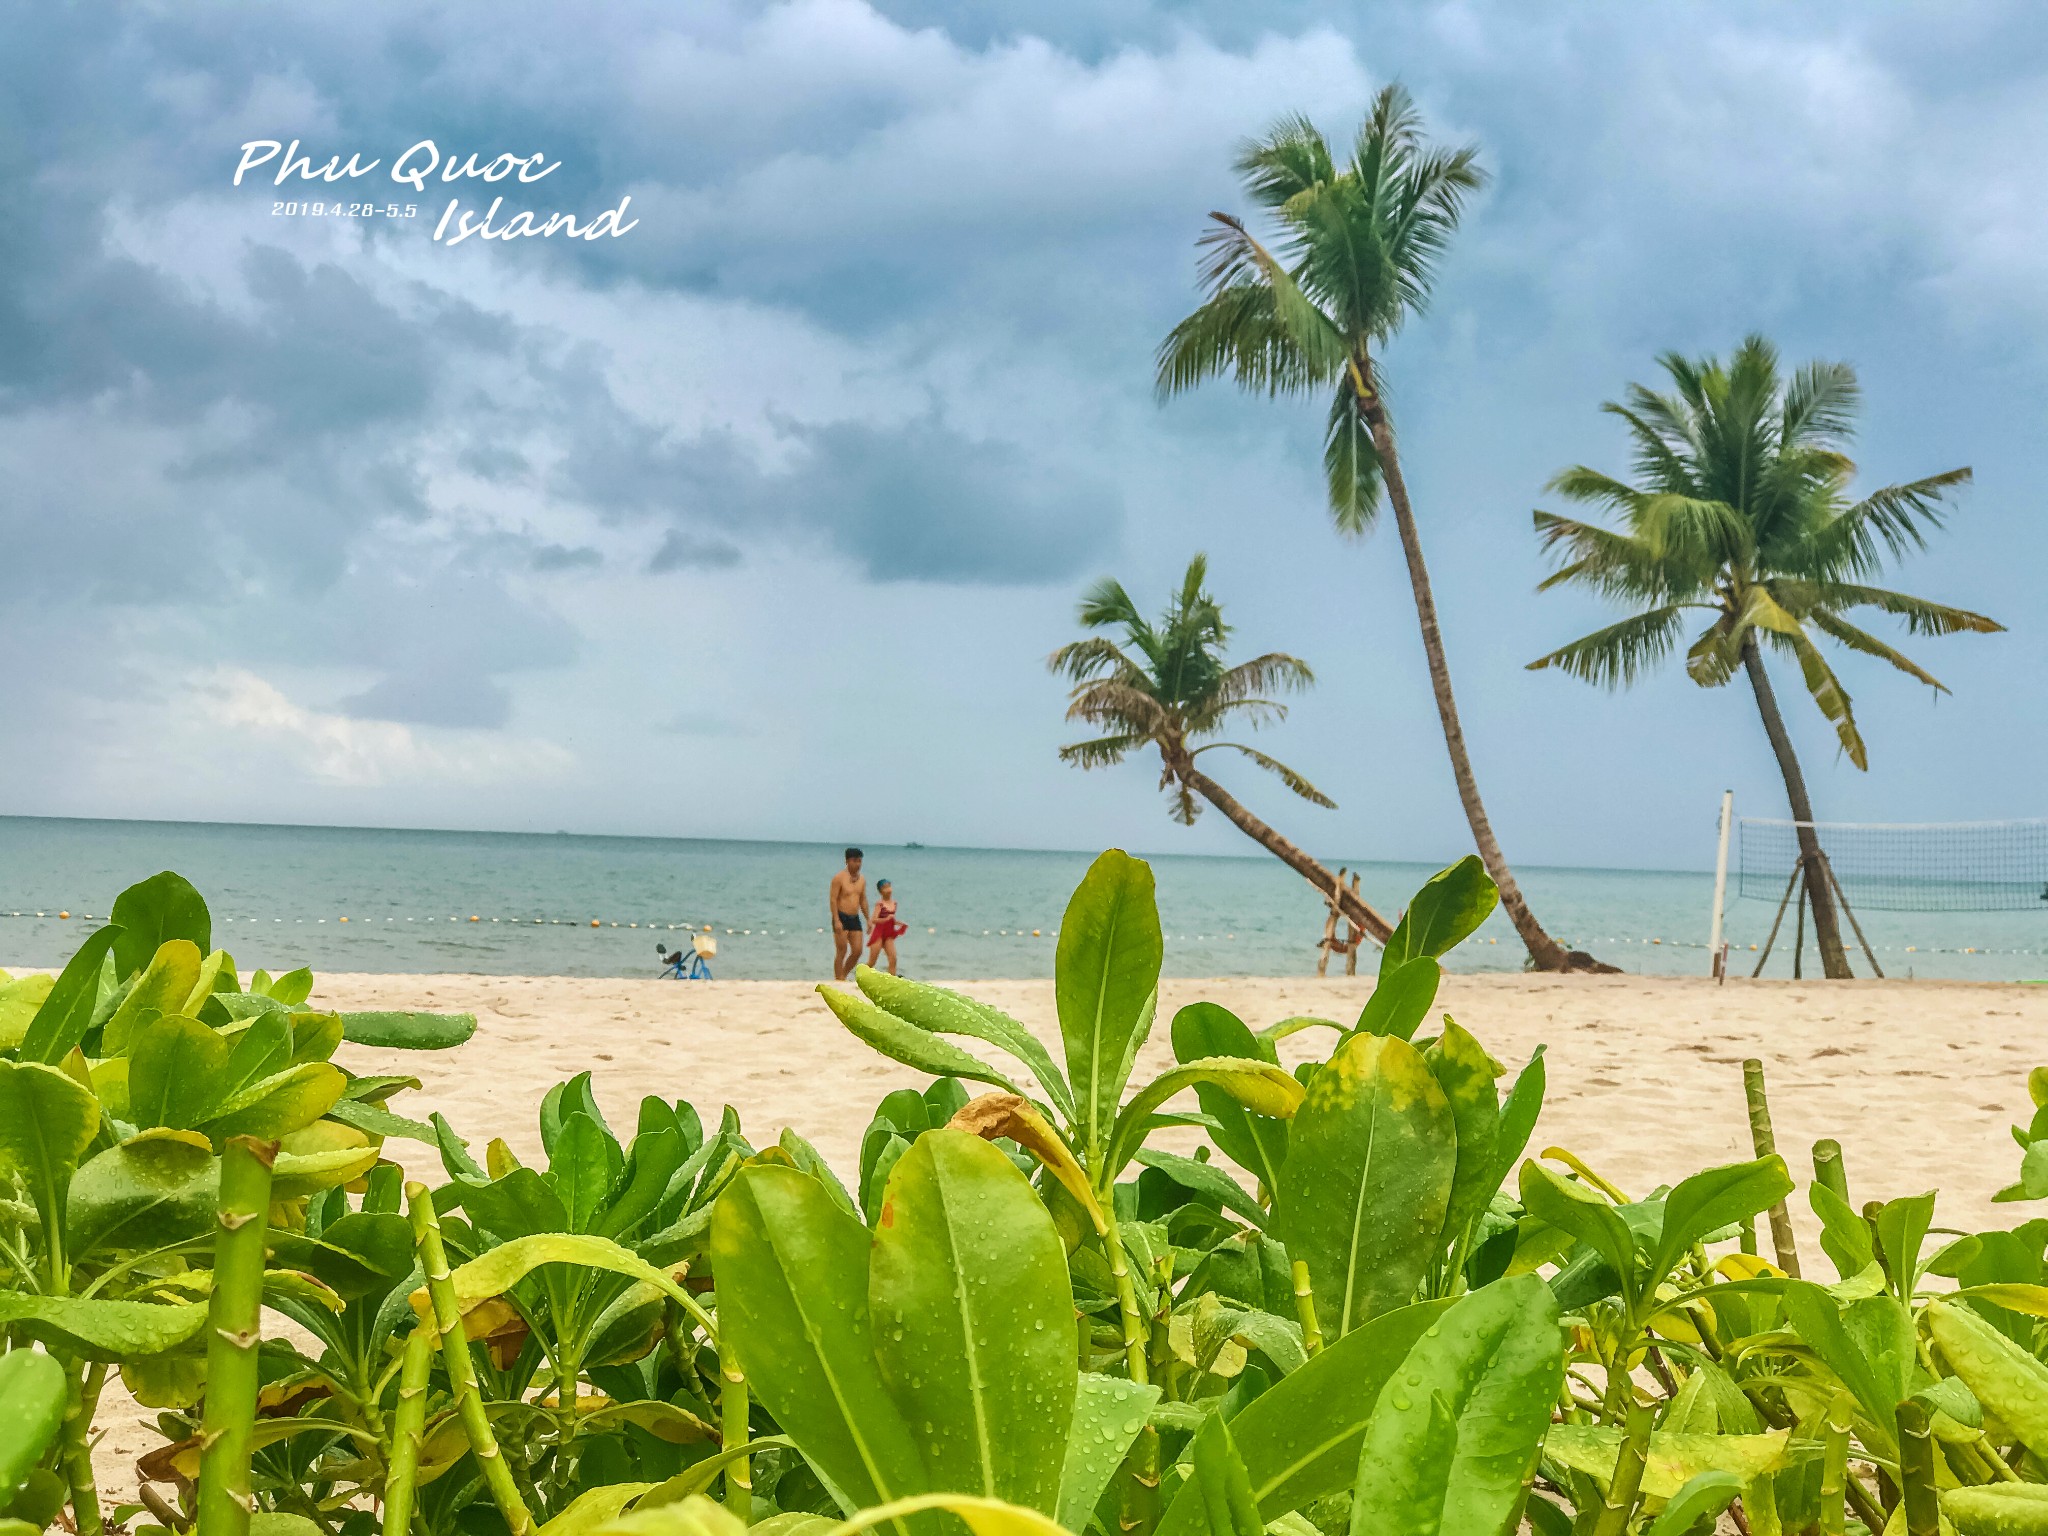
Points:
1370	1163
405	1031
176	1066
1702	1497
1401	997
905	1042
1224	1484
277	1105
46	1122
166	987
580	1168
1711	1200
1901	1232
522	1204
1208	1180
1455	1436
940	1012
2011	1383
1106	981
103	1330
1465	1073
1260	1086
1300	1439
495	1272
1450	905
2001	1509
1584	1214
655	1157
1844	1235
33	1393
154	912
1674	1459
20	1001
1256	1143
297	1174
150	1191
1518	1113
66	1013
974	1320
375	1121
1109	1413
1818	1320
793	1307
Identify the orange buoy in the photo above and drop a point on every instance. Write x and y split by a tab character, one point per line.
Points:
595	923
344	919
473	917
63	914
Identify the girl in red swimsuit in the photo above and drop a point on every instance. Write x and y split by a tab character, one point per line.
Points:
884	932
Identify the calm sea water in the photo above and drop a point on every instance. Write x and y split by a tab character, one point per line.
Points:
278	894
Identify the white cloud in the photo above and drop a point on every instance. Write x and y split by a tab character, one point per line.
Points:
339	750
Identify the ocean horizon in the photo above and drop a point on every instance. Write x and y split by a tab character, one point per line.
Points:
432	901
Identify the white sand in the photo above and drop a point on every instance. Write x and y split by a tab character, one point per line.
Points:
1918	1080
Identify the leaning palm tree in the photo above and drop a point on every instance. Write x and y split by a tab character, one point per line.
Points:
1741	511
1166	685
1356	253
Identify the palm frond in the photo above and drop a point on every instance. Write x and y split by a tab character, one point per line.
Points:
1617	655
1102	752
1237	332
1233	257
1351	464
1081	660
1862	640
1278	769
1274	672
1616	565
1825	689
1712	659
1923	616
1291	159
1895	520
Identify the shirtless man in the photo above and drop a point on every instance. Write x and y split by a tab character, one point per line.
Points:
846	908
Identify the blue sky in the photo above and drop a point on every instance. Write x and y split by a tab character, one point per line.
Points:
759	520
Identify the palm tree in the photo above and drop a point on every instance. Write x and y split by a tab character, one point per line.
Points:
1166	685
1357	251
1741	511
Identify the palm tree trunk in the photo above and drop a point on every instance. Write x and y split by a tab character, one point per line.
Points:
1548	954
1827	931
1375	927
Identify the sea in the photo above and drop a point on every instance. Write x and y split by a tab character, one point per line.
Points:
502	903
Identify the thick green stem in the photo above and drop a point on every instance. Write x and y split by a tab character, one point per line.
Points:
234	1328
1305	1309
1765	1141
1834	1469
75	1453
732	1422
454	1340
408	1428
1916	1471
1126	1299
1620	1500
1828	1168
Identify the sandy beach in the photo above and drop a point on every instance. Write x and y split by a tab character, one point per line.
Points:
1918	1080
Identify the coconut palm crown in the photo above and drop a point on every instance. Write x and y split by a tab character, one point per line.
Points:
1165	684
1741	514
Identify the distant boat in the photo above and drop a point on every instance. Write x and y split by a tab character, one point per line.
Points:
920	845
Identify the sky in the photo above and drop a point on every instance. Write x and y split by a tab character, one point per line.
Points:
759	519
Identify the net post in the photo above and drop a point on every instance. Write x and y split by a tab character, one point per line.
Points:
1720	958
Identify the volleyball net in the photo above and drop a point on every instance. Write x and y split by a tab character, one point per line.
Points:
1971	866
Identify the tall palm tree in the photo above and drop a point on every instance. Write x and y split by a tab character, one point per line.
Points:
1356	252
1741	511
1166	685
